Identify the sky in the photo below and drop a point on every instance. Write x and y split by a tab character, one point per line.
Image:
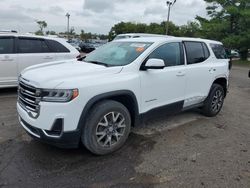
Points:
97	16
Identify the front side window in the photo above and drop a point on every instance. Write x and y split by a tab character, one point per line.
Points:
219	51
197	52
170	53
6	45
117	53
26	45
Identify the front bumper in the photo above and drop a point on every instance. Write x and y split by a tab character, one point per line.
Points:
64	140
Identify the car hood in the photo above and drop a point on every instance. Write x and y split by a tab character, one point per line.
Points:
51	75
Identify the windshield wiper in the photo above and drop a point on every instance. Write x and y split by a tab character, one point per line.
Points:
98	63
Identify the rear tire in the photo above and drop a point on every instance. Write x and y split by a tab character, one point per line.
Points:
214	101
107	127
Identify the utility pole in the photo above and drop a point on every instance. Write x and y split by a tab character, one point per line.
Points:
68	16
169	5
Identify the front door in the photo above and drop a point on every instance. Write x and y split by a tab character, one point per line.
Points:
165	86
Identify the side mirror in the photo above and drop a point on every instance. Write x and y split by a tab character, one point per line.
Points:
154	64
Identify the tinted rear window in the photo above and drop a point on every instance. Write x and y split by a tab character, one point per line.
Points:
57	47
219	51
26	45
197	52
6	45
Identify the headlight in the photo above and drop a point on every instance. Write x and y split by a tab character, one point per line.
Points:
57	95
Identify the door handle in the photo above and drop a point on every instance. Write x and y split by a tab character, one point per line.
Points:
48	57
6	60
180	74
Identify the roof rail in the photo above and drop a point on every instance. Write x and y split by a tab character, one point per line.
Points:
8	31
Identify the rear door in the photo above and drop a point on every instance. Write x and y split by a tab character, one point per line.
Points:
8	62
199	77
61	52
33	51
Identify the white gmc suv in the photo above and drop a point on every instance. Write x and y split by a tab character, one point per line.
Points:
18	52
95	101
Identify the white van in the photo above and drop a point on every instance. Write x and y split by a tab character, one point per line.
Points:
20	51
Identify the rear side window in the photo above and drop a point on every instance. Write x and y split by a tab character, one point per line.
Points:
219	51
6	45
57	47
170	53
26	45
197	52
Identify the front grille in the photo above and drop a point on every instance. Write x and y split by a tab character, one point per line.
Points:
28	98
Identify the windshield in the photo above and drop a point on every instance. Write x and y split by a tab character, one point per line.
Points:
117	53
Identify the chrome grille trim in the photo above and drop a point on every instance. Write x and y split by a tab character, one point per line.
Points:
28	100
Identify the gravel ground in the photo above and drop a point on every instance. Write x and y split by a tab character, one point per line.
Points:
186	150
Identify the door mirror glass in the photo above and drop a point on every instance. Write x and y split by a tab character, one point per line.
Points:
154	64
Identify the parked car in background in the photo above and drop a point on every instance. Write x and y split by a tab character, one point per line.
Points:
136	35
18	52
235	54
75	45
87	47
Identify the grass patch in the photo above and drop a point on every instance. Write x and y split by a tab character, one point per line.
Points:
241	63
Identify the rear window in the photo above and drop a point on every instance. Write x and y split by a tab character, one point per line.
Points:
219	51
29	45
197	52
6	45
57	47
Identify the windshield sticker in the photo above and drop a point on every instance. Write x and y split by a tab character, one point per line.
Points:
141	49
138	45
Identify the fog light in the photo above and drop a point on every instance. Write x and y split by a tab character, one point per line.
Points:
56	130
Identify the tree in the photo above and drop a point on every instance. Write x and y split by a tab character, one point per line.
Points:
190	30
72	31
229	22
82	35
50	33
42	25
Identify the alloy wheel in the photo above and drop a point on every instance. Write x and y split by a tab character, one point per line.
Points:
110	129
217	101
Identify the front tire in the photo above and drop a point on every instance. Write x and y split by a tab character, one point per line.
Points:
215	101
107	127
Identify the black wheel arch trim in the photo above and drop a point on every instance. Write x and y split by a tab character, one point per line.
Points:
107	96
216	81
